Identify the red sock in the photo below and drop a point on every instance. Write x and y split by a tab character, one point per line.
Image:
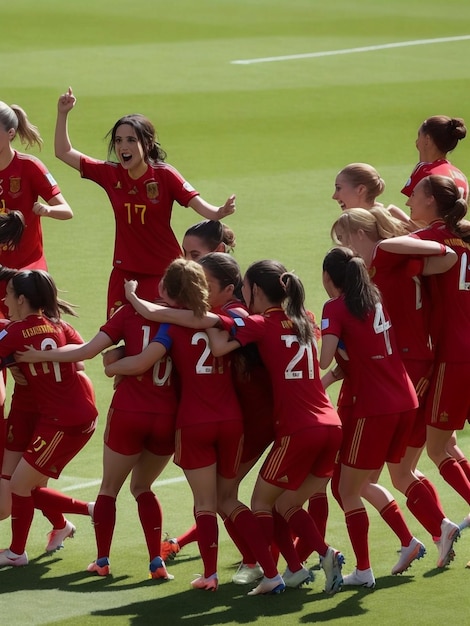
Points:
318	511
465	465
249	528
432	489
453	474
150	515
247	555
207	539
188	537
22	512
357	523
283	535
422	504
53	504
104	520
393	516
304	527
265	519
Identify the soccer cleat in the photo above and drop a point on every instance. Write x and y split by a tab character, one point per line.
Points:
169	549
332	563
360	578
7	557
100	567
247	574
57	536
294	580
157	569
465	523
414	551
269	586
209	584
450	532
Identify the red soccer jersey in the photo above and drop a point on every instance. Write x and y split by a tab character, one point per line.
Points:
299	398
450	298
441	167
62	394
21	184
379	382
207	391
399	279
155	390
145	242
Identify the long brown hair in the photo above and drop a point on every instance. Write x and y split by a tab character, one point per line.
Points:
185	282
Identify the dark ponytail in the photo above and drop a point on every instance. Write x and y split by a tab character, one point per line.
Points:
349	274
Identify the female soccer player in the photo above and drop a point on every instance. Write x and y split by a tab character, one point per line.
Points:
436	200
437	136
397	265
139	436
142	189
358	185
307	427
384	399
253	389
207	236
23	180
209	424
64	398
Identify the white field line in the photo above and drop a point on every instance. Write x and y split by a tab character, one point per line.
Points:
329	53
96	482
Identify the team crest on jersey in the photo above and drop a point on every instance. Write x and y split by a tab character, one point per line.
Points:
152	190
15	184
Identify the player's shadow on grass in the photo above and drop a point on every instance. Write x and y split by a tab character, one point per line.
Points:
36	575
351	599
229	604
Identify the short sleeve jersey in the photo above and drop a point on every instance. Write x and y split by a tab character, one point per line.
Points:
379	382
21	184
441	167
153	391
299	398
450	298
62	395
207	391
398	276
145	242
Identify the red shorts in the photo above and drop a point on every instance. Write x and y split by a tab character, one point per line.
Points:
294	457
369	442
420	374
20	429
147	289
51	448
131	432
202	445
448	401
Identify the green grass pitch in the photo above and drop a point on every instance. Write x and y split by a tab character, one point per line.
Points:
275	133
